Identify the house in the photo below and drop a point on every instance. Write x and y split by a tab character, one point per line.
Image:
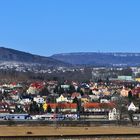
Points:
104	101
39	100
137	79
25	101
65	87
136	92
124	92
63	107
75	84
94	97
85	88
105	91
61	99
45	106
132	107
98	107
125	78
85	98
76	94
67	107
92	107
95	91
35	88
113	115
32	90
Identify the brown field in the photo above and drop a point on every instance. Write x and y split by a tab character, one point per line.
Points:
59	131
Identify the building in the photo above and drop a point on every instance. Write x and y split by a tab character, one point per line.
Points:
61	99
125	78
113	115
39	100
98	107
63	107
132	107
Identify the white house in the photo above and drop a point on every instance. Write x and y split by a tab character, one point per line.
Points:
39	100
24	101
61	99
113	115
132	107
104	101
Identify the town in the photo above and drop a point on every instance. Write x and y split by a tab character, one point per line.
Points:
111	94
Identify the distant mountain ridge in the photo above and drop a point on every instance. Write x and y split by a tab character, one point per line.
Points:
100	59
11	55
14	57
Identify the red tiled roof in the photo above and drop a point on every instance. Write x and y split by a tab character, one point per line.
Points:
52	105
92	105
63	105
68	105
99	105
136	90
37	85
107	105
75	94
14	84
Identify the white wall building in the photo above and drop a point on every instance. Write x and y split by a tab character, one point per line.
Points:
132	107
39	100
61	99
113	115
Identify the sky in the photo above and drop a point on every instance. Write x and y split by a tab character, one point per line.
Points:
47	27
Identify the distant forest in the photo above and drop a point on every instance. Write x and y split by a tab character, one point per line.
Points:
77	75
12	75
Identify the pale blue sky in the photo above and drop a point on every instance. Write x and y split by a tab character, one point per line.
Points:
46	27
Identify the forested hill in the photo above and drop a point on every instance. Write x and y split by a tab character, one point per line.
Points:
11	55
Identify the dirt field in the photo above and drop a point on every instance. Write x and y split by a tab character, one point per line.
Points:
47	131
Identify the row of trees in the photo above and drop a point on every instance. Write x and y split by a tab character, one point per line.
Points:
34	108
38	108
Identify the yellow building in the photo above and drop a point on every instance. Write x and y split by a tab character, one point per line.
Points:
137	79
45	106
